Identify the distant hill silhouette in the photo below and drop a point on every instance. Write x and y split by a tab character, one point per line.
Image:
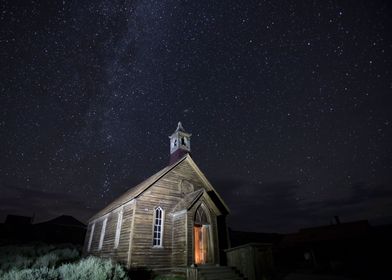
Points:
62	229
64	220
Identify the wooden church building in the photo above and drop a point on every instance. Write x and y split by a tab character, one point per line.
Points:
173	220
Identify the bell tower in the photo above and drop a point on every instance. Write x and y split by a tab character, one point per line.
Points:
180	143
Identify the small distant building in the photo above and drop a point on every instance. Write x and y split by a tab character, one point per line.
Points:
18	220
16	229
62	229
336	247
174	219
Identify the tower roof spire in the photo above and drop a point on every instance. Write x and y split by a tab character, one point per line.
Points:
180	143
179	127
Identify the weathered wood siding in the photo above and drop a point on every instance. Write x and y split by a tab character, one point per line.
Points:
166	194
95	241
253	260
179	240
189	228
108	241
86	239
108	251
126	233
143	253
136	240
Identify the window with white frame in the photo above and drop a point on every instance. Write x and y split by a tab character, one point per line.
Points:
118	228
158	227
102	233
91	237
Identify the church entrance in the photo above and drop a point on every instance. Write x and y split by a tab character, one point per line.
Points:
201	237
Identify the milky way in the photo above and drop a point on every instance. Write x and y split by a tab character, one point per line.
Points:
289	105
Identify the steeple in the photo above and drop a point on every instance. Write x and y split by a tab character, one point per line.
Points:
180	143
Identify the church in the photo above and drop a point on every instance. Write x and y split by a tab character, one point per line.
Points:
173	220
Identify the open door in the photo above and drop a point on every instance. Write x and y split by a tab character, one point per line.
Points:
201	234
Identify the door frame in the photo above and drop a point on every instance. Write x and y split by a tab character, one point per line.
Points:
211	249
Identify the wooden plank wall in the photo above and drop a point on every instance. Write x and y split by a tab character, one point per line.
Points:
179	241
108	241
125	235
190	247
143	253
166	194
95	241
86	240
177	247
253	260
108	251
215	236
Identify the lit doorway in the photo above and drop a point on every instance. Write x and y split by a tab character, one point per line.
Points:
201	237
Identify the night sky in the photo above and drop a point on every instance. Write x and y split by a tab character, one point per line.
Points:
289	104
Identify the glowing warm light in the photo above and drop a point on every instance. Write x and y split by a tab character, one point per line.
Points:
198	252
201	243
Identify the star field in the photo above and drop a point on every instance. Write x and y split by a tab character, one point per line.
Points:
289	104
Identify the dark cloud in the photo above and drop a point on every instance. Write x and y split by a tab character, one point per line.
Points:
363	201
279	207
47	204
263	207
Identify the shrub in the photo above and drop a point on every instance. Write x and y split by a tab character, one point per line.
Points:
42	273
36	256
21	262
48	260
68	254
92	268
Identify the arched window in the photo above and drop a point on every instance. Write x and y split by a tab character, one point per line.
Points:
91	237
118	228
103	229
158	227
201	217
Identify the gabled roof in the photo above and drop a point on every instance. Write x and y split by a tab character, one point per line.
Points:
211	190
143	186
188	200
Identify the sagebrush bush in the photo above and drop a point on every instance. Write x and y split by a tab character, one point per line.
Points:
47	262
68	254
92	268
35	256
21	262
42	273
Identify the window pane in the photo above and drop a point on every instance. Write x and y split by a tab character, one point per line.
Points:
157	232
